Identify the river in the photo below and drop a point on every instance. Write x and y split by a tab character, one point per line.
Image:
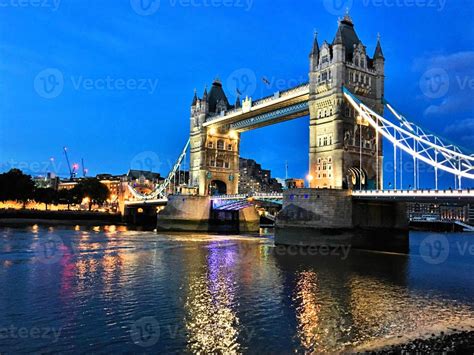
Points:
109	289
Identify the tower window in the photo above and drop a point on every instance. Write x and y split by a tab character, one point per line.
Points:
220	144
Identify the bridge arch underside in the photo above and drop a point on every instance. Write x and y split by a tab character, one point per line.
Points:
217	187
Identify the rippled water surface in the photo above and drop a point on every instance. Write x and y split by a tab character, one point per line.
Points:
111	290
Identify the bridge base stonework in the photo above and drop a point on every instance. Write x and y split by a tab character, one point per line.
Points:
330	217
195	214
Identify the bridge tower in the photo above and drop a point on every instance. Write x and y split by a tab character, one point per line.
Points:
344	151
214	150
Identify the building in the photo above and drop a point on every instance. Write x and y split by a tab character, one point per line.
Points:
338	137
50	181
294	183
255	179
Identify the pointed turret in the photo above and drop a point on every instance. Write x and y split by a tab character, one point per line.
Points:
315	49
217	95
204	96
378	50
195	98
237	102
338	38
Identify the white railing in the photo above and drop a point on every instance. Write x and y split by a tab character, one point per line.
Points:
468	193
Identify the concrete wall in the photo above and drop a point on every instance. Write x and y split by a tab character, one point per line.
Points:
316	208
380	214
249	220
185	213
324	217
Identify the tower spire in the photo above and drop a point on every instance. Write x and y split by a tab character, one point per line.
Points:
378	49
315	49
195	98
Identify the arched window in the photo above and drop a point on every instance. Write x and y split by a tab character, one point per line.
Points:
220	144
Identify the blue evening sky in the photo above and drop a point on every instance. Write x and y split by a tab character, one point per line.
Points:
113	80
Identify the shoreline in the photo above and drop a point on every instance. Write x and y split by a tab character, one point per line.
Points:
448	338
29	217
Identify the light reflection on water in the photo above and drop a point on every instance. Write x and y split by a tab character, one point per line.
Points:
208	293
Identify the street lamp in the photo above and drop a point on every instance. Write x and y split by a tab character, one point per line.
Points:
310	178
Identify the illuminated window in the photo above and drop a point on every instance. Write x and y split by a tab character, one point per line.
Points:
210	145
229	147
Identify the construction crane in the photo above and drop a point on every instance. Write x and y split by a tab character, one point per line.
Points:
73	168
84	170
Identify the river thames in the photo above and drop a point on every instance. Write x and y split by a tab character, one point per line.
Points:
109	289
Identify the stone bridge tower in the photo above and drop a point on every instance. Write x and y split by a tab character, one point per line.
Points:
214	150
338	137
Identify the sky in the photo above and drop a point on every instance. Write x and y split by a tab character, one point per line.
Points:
113	80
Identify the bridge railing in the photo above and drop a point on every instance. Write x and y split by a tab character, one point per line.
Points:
414	193
257	195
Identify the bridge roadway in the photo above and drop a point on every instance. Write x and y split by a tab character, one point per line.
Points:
281	106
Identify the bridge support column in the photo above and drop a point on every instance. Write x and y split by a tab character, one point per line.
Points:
195	214
330	218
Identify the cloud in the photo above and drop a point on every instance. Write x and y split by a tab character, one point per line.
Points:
462	130
459	61
449	105
456	98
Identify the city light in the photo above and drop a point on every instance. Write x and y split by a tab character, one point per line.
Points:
212	131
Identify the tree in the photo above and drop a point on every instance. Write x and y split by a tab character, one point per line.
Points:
16	186
94	190
66	196
46	196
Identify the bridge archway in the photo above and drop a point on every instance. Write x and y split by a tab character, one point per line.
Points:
217	187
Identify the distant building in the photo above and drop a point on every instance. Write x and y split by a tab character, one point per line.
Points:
255	179
49	181
143	182
294	183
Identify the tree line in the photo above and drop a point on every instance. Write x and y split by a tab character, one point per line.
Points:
20	187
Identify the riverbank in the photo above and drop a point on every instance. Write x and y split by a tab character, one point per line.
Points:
458	339
22	217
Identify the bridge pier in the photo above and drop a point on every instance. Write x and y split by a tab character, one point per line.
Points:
195	214
330	217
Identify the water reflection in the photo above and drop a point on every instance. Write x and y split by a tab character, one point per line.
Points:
211	320
223	294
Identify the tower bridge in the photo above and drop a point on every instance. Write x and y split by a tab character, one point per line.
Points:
349	120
